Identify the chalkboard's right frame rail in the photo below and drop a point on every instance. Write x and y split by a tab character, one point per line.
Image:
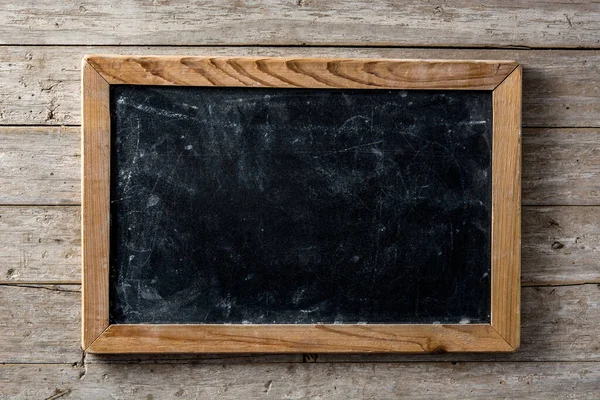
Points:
506	208
503	78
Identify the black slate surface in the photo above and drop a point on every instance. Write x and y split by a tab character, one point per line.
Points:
246	205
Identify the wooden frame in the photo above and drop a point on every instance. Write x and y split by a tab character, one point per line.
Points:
503	78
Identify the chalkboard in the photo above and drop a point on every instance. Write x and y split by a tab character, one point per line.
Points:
299	206
285	205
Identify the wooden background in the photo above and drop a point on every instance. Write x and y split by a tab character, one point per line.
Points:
41	46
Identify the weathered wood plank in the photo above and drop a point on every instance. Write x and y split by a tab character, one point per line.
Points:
294	381
551	24
40	324
40	165
560	245
561	166
43	325
41	85
40	244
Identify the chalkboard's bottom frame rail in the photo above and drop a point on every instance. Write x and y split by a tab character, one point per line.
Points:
287	338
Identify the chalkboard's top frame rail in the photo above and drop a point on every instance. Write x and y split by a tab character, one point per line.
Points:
295	72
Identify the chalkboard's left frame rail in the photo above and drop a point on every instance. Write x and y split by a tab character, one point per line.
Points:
502	78
95	203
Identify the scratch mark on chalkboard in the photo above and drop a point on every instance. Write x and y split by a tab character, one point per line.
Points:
352	119
133	248
149	293
152	201
311	310
298	296
472	123
190	106
371	127
154	238
158	176
354	147
153	110
227	304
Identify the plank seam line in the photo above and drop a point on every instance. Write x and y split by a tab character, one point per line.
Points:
542	205
44	283
32	205
199	361
41	125
45	287
552	284
305	45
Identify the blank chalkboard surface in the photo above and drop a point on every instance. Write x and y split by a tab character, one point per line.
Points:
300	205
246	205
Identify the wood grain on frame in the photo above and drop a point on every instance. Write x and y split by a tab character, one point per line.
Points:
95	203
302	72
298	338
99	72
506	208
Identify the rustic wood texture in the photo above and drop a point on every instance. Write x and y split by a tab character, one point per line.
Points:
40	85
303	22
544	381
40	165
298	338
560	166
40	244
39	324
559	324
506	209
294	72
560	245
95	204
